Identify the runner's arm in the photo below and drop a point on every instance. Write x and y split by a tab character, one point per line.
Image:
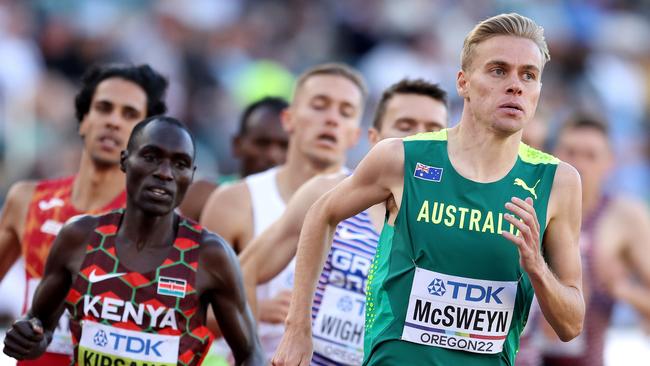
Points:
558	285
269	253
226	294
13	215
377	177
29	337
635	289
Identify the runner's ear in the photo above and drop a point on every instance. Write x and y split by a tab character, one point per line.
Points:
123	156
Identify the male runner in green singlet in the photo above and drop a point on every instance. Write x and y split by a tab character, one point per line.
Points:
459	257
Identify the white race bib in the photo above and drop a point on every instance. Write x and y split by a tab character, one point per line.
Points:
339	325
459	313
105	345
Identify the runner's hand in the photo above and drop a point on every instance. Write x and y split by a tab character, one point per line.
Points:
295	348
26	339
275	310
530	256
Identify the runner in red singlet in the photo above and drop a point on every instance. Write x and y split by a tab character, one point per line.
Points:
111	101
138	281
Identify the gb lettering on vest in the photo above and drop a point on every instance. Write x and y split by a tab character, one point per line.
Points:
338	327
459	313
105	345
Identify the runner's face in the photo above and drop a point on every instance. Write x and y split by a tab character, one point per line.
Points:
502	85
265	143
587	150
160	168
324	118
116	107
409	114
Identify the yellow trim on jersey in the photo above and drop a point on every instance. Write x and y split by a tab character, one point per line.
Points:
428	136
534	156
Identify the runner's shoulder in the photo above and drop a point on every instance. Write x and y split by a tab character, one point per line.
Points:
214	247
232	198
566	177
629	209
20	193
387	153
77	230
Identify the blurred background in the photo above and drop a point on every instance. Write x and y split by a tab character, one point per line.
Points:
220	55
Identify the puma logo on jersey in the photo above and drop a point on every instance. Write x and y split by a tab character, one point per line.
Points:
522	184
94	277
47	205
346	234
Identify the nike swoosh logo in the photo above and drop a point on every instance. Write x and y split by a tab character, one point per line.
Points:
46	205
346	234
94	277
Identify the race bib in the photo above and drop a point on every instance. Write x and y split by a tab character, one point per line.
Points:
109	346
338	327
459	313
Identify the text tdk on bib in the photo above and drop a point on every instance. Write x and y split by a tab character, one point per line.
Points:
105	345
459	313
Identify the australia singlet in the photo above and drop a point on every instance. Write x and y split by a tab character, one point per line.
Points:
49	209
445	288
121	317
339	302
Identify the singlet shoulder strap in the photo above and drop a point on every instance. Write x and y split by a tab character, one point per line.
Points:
188	241
109	222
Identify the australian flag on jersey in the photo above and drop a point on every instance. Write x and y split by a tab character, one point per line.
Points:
430	173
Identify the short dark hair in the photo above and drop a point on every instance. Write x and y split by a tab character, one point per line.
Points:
408	86
276	104
137	130
336	69
586	121
153	84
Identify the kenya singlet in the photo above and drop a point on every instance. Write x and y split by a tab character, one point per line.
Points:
445	288
121	317
339	302
48	210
